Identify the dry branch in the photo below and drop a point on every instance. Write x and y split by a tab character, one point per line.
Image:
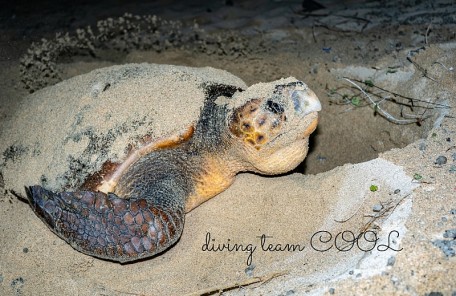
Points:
219	290
378	109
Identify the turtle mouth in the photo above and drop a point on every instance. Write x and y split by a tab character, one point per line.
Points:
313	124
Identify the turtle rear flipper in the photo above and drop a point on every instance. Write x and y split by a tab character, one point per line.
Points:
106	226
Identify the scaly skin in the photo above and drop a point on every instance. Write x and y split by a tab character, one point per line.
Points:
106	226
144	215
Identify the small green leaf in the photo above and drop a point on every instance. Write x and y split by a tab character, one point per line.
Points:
373	188
355	101
417	176
369	83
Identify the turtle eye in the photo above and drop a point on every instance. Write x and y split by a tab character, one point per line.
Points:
274	107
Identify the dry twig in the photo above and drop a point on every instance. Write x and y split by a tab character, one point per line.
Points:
427	33
219	290
412	100
387	210
378	109
345	220
421	69
450	69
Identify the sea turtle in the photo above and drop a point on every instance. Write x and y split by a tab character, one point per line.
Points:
134	209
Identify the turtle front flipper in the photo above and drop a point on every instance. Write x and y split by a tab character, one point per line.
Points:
106	226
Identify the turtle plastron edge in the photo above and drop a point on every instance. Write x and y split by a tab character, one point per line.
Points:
112	172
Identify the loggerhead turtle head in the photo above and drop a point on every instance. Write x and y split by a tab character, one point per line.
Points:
274	124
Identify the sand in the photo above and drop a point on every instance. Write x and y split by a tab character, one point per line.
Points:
414	197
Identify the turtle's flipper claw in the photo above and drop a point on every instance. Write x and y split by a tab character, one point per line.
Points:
107	226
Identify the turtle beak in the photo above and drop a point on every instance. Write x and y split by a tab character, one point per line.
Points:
305	102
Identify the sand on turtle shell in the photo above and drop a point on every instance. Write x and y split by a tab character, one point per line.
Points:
64	133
